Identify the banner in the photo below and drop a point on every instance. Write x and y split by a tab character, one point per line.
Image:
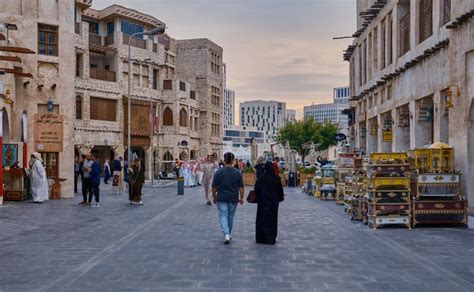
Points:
24	127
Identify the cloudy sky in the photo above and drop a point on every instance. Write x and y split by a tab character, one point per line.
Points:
274	49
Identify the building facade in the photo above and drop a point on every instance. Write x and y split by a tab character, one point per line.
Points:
229	108
176	90
242	136
411	78
331	112
267	116
290	116
38	109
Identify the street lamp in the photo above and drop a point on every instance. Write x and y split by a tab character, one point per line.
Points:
157	30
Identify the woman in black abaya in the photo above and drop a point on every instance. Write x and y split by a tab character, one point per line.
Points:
269	191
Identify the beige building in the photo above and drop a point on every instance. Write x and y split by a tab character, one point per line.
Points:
80	66
47	28
411	78
176	89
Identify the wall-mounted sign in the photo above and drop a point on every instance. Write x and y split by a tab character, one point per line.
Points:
387	135
49	133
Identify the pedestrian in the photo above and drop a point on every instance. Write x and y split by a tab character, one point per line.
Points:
269	191
38	179
94	181
259	168
199	173
107	172
209	168
76	172
136	175
275	165
117	180
86	179
227	192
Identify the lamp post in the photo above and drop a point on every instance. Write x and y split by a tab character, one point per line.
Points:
154	31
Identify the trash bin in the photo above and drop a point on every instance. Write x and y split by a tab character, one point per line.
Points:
180	186
292	179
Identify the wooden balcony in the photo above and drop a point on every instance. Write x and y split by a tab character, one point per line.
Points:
95	39
135	42
101	74
109	40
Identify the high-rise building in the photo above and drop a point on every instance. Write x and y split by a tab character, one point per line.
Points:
290	116
331	112
229	107
267	116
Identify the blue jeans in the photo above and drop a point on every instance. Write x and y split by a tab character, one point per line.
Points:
226	216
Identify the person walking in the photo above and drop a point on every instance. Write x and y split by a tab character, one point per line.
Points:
38	179
259	168
117	180
269	191
107	172
94	180
209	168
86	179
136	176
227	192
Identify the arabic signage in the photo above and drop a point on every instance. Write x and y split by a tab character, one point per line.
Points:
49	133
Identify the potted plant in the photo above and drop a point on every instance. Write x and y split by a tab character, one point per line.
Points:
249	176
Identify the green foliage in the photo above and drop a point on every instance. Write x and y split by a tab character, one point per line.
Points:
249	170
308	130
310	170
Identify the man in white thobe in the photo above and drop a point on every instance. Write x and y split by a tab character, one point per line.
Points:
38	179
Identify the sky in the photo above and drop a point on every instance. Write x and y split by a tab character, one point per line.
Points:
274	49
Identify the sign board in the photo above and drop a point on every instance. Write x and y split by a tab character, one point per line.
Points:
49	132
387	136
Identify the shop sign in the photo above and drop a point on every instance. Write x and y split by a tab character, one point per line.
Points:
49	133
387	136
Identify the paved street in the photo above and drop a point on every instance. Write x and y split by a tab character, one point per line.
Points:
174	244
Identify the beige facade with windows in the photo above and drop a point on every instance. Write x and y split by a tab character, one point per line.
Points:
46	28
411	78
172	83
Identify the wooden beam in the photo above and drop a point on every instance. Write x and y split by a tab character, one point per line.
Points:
16	72
10	58
16	50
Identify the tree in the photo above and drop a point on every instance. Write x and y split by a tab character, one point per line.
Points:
307	131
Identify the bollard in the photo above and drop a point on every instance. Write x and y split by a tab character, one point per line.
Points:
180	186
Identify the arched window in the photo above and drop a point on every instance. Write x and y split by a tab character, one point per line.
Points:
168	156
167	117
183	118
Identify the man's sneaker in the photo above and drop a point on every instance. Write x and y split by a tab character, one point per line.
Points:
226	239
209	203
96	205
141	203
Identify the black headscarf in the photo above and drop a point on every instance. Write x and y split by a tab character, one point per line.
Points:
269	169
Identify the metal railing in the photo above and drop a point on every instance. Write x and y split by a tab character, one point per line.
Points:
135	42
102	74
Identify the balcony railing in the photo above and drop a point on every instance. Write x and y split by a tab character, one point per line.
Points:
101	74
95	39
135	42
109	40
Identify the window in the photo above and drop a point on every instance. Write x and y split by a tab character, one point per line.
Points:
405	34
446	12
375	53
145	77
130	28
383	32
155	79
182	86
183	118
103	109
79	65
389	38
167	84
47	40
110	28
78	107
215	96
167	117
93	27
192	94
360	65
426	19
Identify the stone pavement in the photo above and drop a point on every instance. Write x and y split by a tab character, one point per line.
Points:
173	243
